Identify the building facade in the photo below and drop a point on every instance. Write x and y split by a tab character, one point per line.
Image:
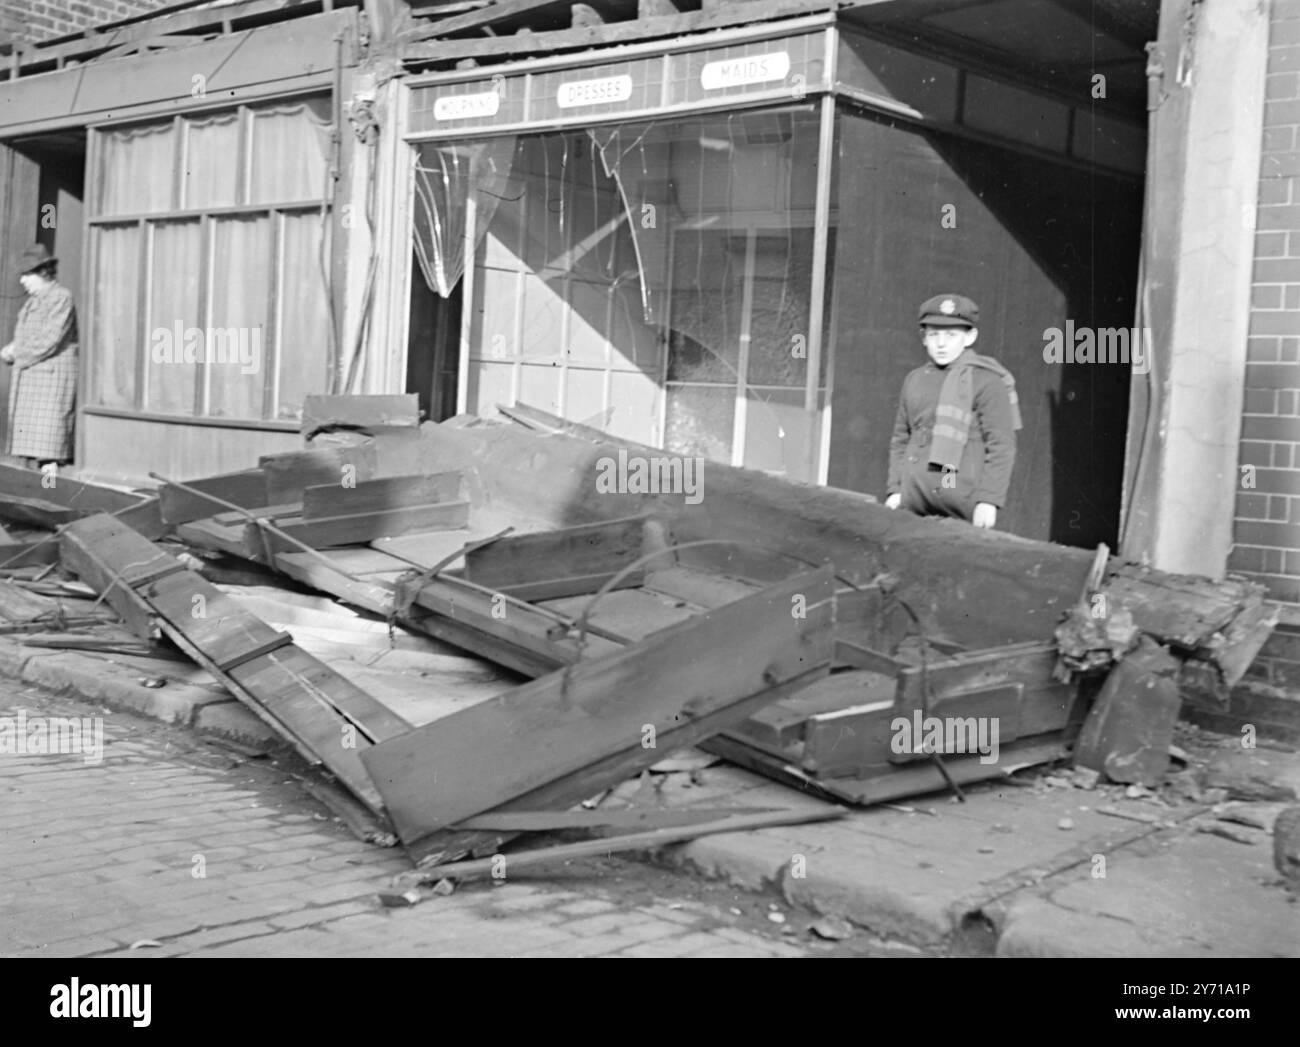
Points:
702	228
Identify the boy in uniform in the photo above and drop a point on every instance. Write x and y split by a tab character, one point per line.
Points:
954	441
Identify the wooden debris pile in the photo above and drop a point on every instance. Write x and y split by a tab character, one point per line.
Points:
804	633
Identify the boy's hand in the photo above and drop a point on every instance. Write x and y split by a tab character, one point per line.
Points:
986	515
894	501
7	353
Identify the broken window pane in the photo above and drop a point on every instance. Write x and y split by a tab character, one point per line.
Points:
447	177
679	251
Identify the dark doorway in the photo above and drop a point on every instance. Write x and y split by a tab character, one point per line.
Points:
42	200
433	347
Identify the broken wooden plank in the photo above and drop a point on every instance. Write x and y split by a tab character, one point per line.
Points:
333	531
1131	724
515	622
362	823
590	551
372	496
29	554
484	16
1234	649
336	580
246	489
615	818
563	722
38	512
603	35
17	604
1180	609
911	780
447	845
697	588
59	489
328	719
96	548
289	475
781	727
864	658
364	412
1013	683
291	668
100	645
500	864
630	614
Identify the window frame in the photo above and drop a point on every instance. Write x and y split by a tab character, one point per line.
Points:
276	215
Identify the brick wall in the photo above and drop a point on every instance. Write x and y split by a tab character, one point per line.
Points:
1267	519
1267	530
31	21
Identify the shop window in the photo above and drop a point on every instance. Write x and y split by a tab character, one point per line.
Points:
208	238
654	279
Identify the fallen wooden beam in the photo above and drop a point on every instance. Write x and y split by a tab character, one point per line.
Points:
570	561
38	512
61	490
289	475
617	818
447	845
330	532
246	489
910	780
374	496
329	720
487	755
29	554
500	865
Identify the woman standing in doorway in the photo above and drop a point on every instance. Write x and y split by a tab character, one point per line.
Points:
43	353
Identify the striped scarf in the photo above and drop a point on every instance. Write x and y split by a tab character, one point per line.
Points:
953	415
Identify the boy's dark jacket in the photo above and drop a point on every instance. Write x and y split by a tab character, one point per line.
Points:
990	452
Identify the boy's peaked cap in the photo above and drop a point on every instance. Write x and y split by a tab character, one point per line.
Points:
949	310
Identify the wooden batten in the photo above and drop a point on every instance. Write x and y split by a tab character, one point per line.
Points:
330	532
566	562
289	475
246	489
379	495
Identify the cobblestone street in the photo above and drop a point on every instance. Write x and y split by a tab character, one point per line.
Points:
173	841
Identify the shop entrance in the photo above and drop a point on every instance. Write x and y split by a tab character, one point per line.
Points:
42	194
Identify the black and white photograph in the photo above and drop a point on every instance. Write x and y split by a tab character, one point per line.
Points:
650	479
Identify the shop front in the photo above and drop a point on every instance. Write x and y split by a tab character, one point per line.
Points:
717	246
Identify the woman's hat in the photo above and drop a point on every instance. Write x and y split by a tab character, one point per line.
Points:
33	258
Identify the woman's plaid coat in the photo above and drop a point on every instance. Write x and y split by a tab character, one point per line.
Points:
43	386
